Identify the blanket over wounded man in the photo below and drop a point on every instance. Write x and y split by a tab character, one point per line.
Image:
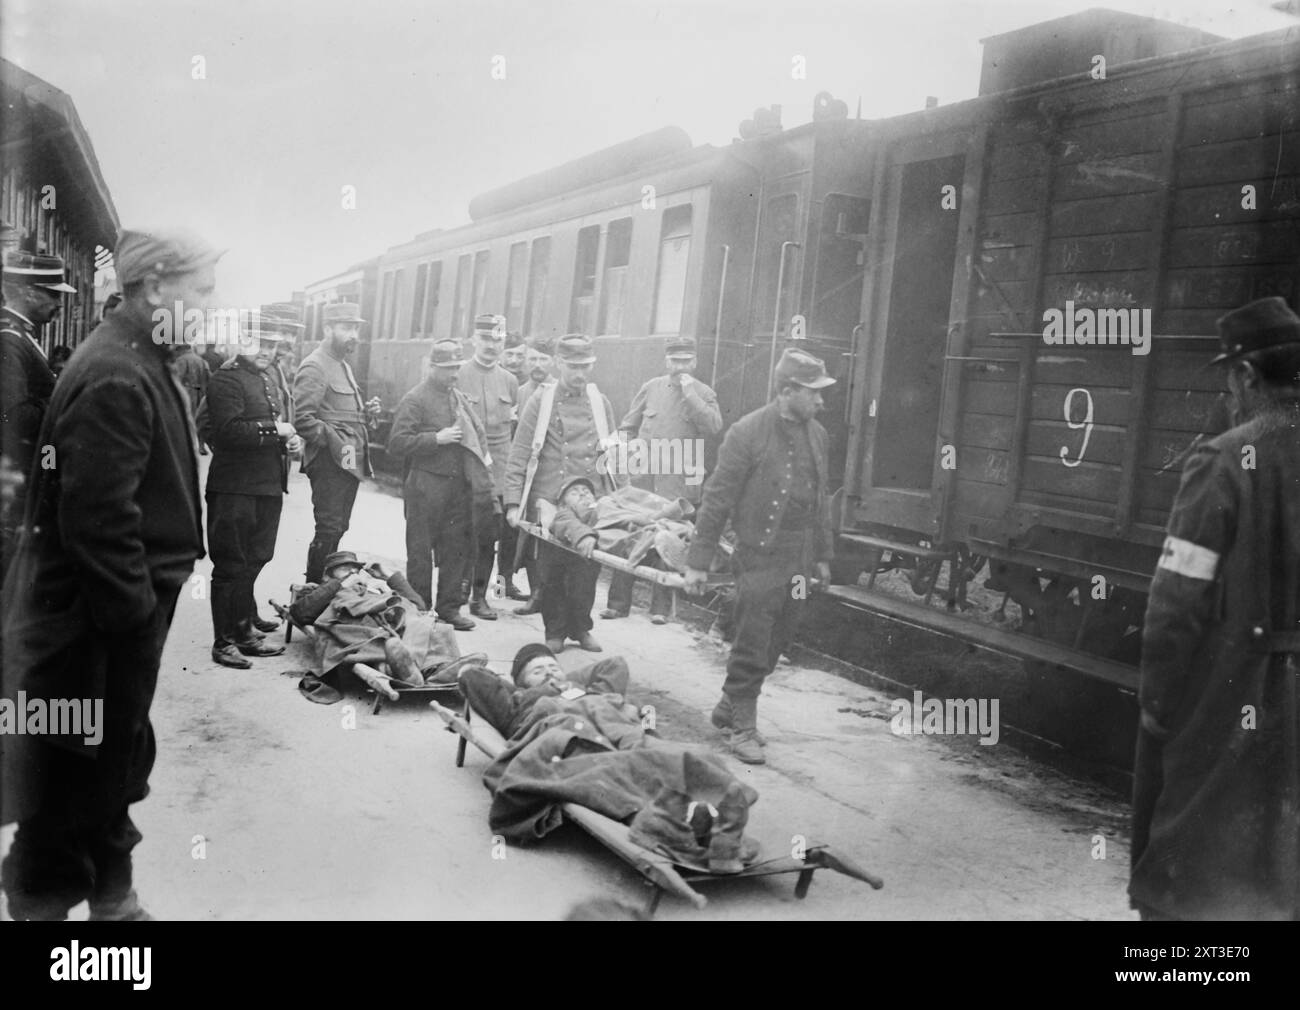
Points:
593	750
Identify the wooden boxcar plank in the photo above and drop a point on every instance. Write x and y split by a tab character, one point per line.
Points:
1007	230
1109	137
1048	438
1085	366
1113	290
1228	287
1228	245
1190	411
1229	161
1132	173
1090	253
985	431
1275	198
997	398
1110	405
989	466
1011	263
1014	196
1016	160
1133	212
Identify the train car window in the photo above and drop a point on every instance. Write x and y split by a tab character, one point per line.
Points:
417	300
538	272
460	306
840	267
670	283
515	286
780	225
480	283
584	280
394	303
618	251
432	298
385	285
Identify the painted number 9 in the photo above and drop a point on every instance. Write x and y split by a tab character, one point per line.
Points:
1085	424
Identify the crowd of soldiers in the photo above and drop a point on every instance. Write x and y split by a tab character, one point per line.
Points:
112	525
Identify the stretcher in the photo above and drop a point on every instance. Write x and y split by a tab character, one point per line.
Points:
376	682
671	580
662	874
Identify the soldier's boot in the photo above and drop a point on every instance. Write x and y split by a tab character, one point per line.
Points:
587	643
742	739
125	909
724	717
317	551
249	643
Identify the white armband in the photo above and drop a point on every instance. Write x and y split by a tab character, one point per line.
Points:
1182	557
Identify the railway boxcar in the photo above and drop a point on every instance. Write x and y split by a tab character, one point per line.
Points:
995	419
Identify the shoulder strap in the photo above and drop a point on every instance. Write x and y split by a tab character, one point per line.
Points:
539	439
598	414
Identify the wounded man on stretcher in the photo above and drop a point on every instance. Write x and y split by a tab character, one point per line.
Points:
369	621
575	738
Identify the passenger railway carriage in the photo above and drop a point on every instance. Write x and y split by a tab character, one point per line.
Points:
918	256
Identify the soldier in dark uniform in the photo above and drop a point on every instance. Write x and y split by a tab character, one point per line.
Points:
33	294
114	530
770	481
330	415
249	475
491	392
577	427
443	448
539	360
673	406
1216	784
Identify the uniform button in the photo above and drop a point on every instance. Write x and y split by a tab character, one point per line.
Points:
1257	631
578	724
555	759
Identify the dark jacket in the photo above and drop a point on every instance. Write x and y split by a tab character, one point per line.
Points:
1216	782
114	529
193	372
751	484
26	383
248	457
414	438
119	511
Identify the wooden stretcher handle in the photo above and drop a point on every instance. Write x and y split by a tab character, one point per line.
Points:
670	579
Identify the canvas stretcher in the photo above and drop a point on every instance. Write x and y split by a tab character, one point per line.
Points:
449	692
662	874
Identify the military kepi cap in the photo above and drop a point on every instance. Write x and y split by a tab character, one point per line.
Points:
575	349
36	270
446	353
1257	326
490	325
342	312
161	251
282	316
543	345
680	347
803	369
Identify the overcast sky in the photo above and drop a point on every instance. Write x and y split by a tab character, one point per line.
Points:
396	97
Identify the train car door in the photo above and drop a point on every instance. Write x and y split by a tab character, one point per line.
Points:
908	327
